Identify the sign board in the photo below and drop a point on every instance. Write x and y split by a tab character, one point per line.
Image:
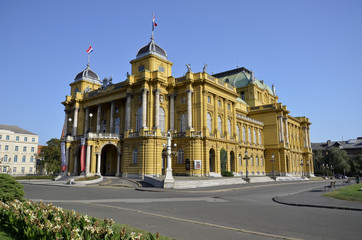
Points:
197	164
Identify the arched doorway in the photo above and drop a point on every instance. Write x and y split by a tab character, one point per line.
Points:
232	161
212	160
109	157
76	161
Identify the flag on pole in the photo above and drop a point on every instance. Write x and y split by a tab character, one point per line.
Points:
154	24
90	49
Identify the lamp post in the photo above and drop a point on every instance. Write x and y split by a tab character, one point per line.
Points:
169	180
90	127
327	170
246	165
332	171
272	160
344	172
308	169
301	165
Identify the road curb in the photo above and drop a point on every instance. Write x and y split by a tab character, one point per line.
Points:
278	200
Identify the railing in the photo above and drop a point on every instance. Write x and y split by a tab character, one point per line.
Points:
150	133
134	134
196	134
103	135
179	135
249	119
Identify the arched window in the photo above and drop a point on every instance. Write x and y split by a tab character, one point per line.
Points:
24	159
5	158
257	161
244	133
104	126
183	122
139	119
259	137
255	137
261	161
209	122
31	159
219	125
180	156
240	160
238	132
249	135
229	127
16	158
251	161
116	125
134	156
162	119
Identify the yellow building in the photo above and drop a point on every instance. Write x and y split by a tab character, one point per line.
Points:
121	128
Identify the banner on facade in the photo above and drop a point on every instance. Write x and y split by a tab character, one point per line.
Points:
64	160
82	155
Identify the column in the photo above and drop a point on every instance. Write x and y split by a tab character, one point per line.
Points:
286	130
157	108
66	123
99	118
75	124
118	164
305	137
128	112
111	120
308	139
189	109
144	108
87	164
67	160
172	111
86	120
99	163
281	129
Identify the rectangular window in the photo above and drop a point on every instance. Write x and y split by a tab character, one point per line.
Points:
25	139
24	149
219	102
14	169
17	138
32	149
6	147
33	139
229	107
30	169
161	69
7	137
4	169
23	170
208	99
16	148
141	68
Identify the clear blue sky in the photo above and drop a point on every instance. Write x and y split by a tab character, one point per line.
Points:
310	49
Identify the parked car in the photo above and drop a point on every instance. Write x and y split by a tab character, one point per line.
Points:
338	175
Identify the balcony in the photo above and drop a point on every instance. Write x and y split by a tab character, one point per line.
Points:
100	136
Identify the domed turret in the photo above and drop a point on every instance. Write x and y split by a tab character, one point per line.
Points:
87	74
152	48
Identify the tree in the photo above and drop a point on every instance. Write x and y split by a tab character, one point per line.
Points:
356	164
319	156
51	155
223	159
10	189
339	159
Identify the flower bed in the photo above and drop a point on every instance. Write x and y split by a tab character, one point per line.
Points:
31	220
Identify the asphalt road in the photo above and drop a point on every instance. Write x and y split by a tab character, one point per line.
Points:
242	212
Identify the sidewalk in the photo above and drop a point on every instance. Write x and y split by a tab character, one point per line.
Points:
315	198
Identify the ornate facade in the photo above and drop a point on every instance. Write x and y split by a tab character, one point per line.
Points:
121	128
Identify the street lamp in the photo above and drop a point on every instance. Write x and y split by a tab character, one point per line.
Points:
301	165
90	127
169	180
246	165
327	174
272	160
308	169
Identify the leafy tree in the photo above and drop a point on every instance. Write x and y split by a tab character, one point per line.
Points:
10	189
339	159
223	159
356	164
319	159
51	155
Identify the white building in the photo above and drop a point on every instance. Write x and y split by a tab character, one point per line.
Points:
18	150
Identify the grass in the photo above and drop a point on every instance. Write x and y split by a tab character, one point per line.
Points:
31	177
88	178
349	193
4	235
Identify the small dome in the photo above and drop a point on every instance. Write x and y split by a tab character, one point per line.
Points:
87	74
152	48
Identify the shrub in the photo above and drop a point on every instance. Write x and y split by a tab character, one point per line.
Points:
227	174
10	189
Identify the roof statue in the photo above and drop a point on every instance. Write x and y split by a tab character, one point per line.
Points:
188	67
273	89
204	69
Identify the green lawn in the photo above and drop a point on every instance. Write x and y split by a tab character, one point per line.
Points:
349	193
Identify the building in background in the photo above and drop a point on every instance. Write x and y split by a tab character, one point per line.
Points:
351	146
18	150
121	128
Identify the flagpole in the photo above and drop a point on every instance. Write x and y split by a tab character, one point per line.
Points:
153	24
